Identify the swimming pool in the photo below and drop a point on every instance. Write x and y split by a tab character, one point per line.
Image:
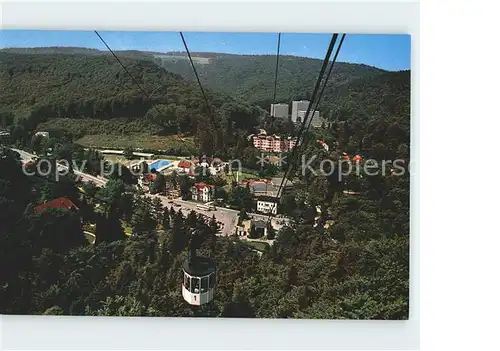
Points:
159	164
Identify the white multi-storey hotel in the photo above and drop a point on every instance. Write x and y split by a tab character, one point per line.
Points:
316	120
279	110
297	106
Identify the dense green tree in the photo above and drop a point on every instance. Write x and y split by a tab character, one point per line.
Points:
49	268
6	119
253	234
241	197
271	233
214	228
143	219
166	219
128	153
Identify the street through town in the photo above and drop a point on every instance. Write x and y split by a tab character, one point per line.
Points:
226	216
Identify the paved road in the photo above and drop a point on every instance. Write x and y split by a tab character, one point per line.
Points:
225	215
228	217
99	181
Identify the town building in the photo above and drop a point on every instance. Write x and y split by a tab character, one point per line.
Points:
273	143
146	180
279	110
268	143
239	230
316	120
202	192
59	203
120	152
267	204
301	105
259	187
260	227
217	164
323	145
186	167
42	134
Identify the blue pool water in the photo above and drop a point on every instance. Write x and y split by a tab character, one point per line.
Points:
159	164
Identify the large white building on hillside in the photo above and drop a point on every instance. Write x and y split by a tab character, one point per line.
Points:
297	106
279	110
316	119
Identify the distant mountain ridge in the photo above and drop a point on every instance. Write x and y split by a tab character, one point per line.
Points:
246	77
81	87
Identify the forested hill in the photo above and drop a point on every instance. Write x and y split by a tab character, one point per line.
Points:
93	86
248	77
97	87
252	76
384	95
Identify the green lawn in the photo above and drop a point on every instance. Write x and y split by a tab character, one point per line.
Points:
136	141
241	177
258	245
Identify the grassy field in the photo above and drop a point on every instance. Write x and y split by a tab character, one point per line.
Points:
136	141
257	245
242	176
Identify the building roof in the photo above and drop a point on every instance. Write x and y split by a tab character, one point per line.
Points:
60	203
184	164
201	186
259	224
259	186
150	176
120	152
199	266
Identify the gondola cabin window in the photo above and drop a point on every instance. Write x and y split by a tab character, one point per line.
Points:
195	285
187	282
204	284
211	281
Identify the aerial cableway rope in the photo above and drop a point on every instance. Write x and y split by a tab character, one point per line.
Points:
219	134
219	137
307	120
328	75
192	152
277	64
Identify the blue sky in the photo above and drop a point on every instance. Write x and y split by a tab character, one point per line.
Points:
386	51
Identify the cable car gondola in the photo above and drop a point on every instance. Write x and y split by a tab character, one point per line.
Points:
199	274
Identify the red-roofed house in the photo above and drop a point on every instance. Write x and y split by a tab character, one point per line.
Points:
202	192
61	203
147	179
185	165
